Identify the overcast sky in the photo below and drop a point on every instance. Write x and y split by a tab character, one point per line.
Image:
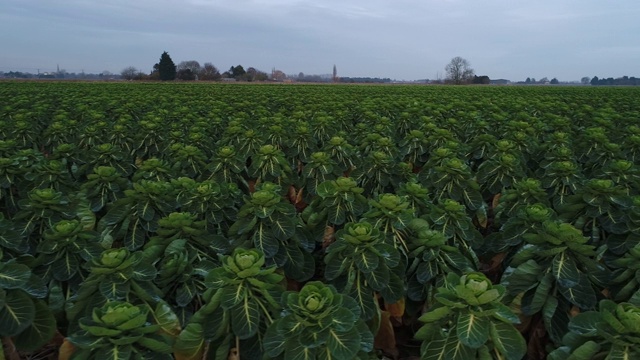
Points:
399	39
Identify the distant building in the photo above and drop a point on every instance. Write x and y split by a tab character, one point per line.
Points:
500	82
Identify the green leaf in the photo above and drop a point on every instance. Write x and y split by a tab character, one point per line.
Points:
335	266
14	276
534	299
65	267
273	342
41	330
582	295
17	314
364	297
366	261
448	348
343	345
586	351
299	265
343	319
114	352
508	340
435	314
378	279
586	323
472	330
245	318
155	343
190	343
168	321
146	211
621	352
264	241
337	214
294	350
283	226
565	270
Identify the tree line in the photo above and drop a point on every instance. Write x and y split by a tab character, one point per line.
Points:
166	70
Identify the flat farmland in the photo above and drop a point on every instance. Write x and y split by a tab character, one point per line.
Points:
287	221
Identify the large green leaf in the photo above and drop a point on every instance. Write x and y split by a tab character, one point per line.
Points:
565	270
273	342
190	344
581	295
622	352
473	331
283	226
17	314
534	299
585	323
264	240
343	345
65	267
114	352
136	235
508	340
14	276
335	265
41	330
294	350
378	279
449	348
245	318
365	299
156	343
164	316
435	314
337	214
586	351
366	261
146	211
299	265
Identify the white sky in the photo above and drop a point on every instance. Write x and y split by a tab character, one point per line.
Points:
399	39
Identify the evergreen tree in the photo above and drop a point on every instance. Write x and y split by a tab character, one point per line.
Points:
166	67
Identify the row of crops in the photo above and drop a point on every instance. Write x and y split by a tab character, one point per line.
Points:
191	221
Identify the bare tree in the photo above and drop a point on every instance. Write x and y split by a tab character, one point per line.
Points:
188	70
129	73
209	72
459	70
585	80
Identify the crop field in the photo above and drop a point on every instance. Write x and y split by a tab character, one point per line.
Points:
231	221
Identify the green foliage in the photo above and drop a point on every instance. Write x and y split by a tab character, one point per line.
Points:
338	201
611	333
64	248
556	260
105	185
430	260
360	263
120	330
241	301
115	275
468	321
268	223
318	323
132	217
128	193
23	314
452	179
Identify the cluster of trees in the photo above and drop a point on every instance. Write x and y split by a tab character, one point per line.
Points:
625	80
543	81
189	70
